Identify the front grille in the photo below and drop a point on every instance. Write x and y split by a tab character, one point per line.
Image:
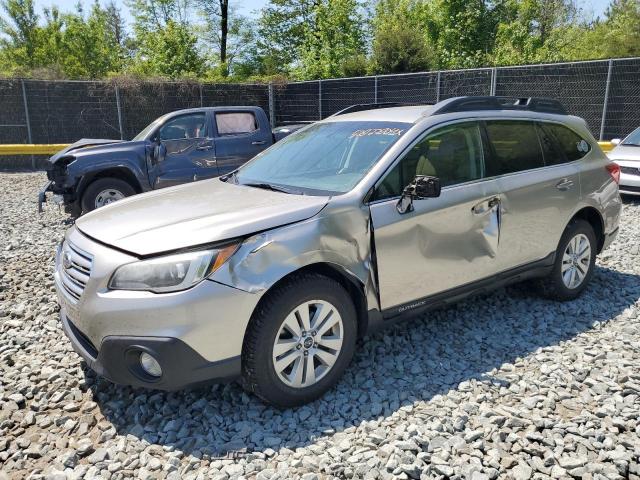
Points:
83	340
75	270
630	170
629	188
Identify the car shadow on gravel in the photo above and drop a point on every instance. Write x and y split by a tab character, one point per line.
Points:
411	362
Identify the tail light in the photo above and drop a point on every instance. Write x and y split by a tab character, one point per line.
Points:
614	171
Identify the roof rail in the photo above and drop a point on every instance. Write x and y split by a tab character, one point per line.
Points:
359	107
466	104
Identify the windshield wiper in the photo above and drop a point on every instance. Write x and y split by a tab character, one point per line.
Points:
232	176
268	186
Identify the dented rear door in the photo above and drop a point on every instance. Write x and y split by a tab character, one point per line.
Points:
445	242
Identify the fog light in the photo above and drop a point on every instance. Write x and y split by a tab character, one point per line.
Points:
150	365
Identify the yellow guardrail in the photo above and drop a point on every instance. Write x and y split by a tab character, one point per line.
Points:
50	149
32	149
606	146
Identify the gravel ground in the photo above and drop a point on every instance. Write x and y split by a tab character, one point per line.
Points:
501	386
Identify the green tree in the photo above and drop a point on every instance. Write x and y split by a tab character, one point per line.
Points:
89	46
462	30
230	37
535	30
170	52
281	33
164	40
216	27
334	35
150	15
399	40
620	32
21	37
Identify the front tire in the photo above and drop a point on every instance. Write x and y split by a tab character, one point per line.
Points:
103	191
574	263
300	340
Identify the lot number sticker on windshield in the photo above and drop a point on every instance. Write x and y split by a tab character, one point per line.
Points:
367	132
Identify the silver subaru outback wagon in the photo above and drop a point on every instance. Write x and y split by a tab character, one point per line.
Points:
271	273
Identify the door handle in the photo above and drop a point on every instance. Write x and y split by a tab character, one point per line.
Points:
486	205
564	184
493	202
258	142
204	147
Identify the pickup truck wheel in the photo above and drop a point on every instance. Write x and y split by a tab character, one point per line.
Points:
574	264
300	340
103	191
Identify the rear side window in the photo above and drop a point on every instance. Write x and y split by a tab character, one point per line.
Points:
515	147
234	123
570	143
553	154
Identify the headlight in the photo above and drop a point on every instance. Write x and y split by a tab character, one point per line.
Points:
170	273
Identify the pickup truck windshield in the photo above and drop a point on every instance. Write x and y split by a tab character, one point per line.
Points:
147	130
325	158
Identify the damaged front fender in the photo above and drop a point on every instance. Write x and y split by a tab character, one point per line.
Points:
341	239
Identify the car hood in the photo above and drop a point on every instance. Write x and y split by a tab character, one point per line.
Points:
194	214
624	152
83	145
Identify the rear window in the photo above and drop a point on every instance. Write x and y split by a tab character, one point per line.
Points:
570	143
515	145
233	123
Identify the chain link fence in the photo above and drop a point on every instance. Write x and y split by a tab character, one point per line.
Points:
606	93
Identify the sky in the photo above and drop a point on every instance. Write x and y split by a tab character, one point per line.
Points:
249	7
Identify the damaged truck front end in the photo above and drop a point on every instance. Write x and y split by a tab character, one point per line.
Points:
71	170
59	183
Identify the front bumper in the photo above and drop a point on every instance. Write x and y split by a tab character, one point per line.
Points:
196	335
118	360
57	198
42	195
629	177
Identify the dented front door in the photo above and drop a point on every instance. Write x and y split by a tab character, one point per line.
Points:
445	242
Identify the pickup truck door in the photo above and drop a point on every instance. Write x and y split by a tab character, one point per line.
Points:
186	153
240	136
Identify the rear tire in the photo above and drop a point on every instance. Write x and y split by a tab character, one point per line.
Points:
287	364
103	191
574	263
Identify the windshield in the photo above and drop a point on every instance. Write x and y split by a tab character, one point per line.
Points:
323	159
633	138
147	130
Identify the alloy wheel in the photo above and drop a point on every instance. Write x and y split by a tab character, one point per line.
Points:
308	343
576	261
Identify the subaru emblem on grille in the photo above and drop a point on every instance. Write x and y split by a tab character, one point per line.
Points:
66	259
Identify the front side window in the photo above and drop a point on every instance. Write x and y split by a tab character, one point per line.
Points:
453	153
187	126
325	158
515	147
573	146
234	123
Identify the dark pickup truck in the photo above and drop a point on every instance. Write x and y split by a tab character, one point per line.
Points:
179	147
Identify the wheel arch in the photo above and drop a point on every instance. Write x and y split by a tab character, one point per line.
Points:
121	173
592	216
352	284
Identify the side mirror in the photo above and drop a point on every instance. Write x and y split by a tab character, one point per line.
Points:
159	151
616	141
420	188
